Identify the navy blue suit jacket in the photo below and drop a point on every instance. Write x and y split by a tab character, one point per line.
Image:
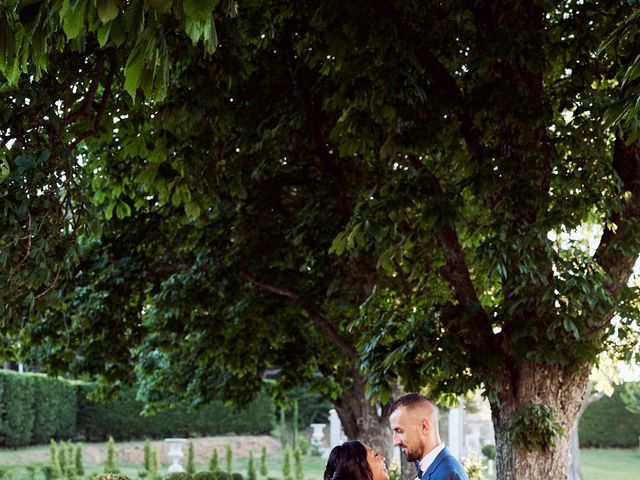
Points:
445	467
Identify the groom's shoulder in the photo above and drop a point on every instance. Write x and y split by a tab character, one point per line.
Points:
451	468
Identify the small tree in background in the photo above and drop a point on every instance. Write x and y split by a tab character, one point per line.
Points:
56	471
70	470
191	459
263	461
283	427
297	455
147	455
110	465
251	468
286	464
229	458
213	462
295	424
153	464
78	460
62	457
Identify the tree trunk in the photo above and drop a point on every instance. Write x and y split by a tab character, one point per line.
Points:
365	422
560	388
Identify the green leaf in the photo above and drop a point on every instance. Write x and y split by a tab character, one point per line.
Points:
73	14
108	9
192	209
122	210
103	33
25	161
4	169
133	70
339	243
210	36
198	10
614	113
116	32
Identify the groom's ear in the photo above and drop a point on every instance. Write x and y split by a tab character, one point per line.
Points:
426	425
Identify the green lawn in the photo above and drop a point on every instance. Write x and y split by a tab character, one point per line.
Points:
610	464
607	464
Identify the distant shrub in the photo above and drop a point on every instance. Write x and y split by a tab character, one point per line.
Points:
191	459
205	476
222	475
49	472
110	465
263	461
237	476
606	423
489	451
109	476
18	414
179	476
213	462
303	445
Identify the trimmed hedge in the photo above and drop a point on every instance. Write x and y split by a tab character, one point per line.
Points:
16	427
606	423
121	419
35	408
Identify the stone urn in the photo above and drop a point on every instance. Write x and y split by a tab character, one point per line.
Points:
175	453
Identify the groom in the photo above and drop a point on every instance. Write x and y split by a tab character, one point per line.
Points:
414	421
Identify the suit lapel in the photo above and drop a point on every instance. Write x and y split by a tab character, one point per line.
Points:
435	463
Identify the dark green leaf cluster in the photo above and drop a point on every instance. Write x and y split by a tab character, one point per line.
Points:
534	427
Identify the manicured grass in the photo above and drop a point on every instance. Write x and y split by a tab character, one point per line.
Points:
610	464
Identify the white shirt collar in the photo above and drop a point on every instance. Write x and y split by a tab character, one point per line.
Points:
428	459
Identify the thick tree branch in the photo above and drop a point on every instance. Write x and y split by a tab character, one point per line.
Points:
316	317
455	270
618	249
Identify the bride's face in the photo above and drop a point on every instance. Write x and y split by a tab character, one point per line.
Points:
376	464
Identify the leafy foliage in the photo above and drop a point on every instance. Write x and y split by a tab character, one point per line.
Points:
365	204
535	427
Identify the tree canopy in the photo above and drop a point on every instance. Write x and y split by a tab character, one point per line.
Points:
372	191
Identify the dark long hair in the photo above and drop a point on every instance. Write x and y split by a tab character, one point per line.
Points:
348	462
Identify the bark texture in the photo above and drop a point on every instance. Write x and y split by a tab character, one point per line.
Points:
552	385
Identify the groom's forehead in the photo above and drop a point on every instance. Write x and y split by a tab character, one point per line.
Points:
405	414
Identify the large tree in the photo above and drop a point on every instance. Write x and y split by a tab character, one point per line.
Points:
456	141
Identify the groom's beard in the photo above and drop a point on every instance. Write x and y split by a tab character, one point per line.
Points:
412	454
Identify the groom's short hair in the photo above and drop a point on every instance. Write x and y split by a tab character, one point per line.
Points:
412	400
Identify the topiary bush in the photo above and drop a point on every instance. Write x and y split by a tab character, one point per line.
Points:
489	451
205	476
178	476
109	476
237	476
222	475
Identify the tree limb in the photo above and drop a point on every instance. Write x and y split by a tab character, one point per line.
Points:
316	317
618	249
